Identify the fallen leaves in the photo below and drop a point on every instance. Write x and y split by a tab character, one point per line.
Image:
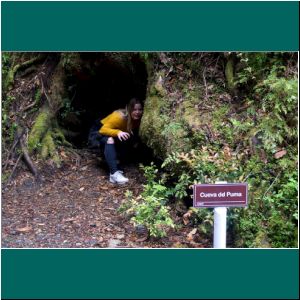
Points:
180	67
69	219
280	154
63	154
190	236
24	229
186	217
79	209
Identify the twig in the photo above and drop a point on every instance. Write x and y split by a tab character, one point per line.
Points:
29	106
271	185
209	135
204	80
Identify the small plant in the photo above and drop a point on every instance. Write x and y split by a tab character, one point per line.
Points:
149	209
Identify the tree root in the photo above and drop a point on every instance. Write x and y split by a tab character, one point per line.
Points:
59	135
39	129
49	149
27	159
8	85
24	154
13	148
14	169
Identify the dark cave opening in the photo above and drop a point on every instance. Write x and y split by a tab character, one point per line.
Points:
104	83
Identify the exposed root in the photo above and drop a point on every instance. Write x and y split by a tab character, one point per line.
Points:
39	129
49	148
28	160
11	151
59	135
14	169
12	73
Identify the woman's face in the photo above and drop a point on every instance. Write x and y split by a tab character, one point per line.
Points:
137	112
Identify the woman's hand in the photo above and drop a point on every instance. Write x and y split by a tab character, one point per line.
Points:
123	136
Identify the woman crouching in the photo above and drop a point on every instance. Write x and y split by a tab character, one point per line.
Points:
118	135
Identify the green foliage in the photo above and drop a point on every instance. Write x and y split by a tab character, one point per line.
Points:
205	165
4	177
251	139
271	218
283	211
149	209
204	219
38	96
278	104
9	126
252	67
6	64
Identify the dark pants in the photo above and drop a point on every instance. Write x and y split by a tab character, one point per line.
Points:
110	154
118	150
130	150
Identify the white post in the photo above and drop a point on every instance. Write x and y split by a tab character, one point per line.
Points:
220	215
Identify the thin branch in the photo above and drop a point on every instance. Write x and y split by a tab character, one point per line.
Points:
28	106
205	84
271	185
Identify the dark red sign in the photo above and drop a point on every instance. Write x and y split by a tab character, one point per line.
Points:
221	195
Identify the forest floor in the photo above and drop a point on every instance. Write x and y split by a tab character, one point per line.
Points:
75	206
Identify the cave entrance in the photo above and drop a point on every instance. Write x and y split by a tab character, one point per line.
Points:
103	83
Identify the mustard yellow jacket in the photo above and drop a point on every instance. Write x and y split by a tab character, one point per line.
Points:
113	124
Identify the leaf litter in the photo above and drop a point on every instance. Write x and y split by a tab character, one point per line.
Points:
76	207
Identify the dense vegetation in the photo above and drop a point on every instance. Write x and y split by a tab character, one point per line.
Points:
210	124
208	117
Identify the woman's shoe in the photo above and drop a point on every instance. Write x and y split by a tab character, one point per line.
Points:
118	178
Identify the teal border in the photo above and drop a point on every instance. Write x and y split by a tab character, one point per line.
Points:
150	26
154	273
150	274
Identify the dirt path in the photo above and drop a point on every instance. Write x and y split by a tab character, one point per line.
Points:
75	207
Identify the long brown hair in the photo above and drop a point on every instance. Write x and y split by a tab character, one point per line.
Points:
129	109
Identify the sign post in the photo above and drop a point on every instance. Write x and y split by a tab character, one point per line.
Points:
220	196
220	215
